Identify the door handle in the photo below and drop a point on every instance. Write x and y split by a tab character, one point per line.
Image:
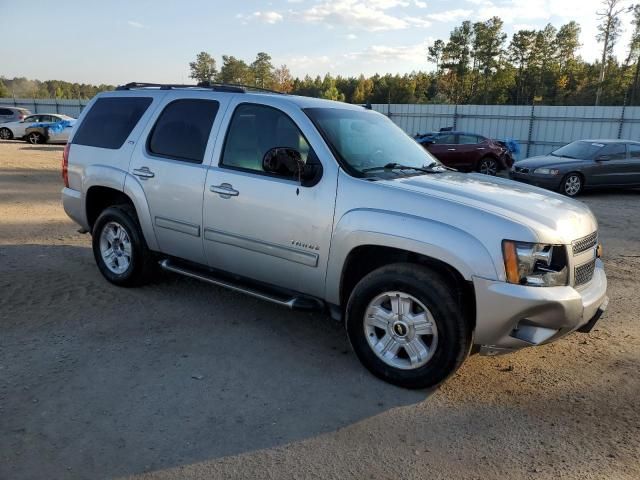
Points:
480	148
144	172
225	190
451	149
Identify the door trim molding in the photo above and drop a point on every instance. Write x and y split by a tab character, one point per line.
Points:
176	226
286	253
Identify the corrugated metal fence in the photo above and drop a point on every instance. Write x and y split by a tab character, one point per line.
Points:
47	105
538	129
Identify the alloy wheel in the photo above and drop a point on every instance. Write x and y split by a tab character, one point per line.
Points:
115	248
400	330
34	138
5	134
488	166
572	185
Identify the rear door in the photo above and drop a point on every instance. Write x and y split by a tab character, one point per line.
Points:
469	151
614	169
169	163
634	163
444	149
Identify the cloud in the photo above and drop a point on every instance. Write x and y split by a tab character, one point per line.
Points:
264	17
135	24
369	15
419	4
380	54
450	15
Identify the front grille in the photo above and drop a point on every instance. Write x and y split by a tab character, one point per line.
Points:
585	243
522	170
584	273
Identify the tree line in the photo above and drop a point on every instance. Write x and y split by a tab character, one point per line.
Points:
476	64
20	87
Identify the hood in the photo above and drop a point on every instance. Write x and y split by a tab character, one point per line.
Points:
548	161
553	217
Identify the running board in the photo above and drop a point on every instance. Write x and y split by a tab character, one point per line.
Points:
294	303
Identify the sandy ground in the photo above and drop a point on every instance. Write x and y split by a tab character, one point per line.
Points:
183	380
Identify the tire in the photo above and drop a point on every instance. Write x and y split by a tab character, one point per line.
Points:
6	134
371	324
488	166
572	184
35	138
117	230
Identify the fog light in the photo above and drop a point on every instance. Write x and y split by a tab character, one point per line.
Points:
599	251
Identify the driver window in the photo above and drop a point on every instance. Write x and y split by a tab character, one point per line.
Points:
256	129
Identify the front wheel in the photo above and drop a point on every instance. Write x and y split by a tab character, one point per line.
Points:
119	247
406	326
488	166
571	184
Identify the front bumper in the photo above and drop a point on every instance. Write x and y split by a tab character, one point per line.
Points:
510	317
550	182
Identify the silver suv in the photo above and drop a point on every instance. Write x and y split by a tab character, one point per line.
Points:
320	205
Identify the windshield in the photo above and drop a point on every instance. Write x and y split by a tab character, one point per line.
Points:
581	150
367	141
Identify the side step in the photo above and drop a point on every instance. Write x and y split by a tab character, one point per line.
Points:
292	302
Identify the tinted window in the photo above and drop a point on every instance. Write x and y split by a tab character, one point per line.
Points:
5	111
110	121
256	129
182	130
446	140
616	151
634	150
32	119
467	139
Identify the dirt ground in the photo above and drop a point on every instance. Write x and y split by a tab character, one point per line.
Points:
184	380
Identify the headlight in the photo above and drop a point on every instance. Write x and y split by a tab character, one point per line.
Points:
535	264
547	171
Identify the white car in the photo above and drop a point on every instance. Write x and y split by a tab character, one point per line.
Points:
16	130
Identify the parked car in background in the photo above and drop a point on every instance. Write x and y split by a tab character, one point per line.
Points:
467	151
581	165
12	114
18	129
55	132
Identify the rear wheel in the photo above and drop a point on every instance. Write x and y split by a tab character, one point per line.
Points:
6	134
406	326
34	138
488	166
572	184
119	247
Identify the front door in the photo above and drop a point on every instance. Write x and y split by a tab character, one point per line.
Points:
613	169
169	163
444	148
263	226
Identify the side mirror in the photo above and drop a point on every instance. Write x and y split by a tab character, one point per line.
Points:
288	162
603	158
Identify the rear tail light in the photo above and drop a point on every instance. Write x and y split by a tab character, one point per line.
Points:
21	117
65	165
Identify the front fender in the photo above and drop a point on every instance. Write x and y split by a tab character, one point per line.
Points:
433	239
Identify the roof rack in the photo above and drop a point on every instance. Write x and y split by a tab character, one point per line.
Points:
215	86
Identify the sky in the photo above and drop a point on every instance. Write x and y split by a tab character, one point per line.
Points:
118	41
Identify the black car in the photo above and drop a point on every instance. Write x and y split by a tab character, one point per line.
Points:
581	165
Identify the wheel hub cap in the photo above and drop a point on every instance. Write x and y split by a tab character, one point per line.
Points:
400	330
115	248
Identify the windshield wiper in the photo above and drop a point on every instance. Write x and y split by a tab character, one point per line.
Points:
398	166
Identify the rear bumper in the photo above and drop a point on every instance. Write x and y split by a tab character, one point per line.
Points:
550	182
510	317
74	207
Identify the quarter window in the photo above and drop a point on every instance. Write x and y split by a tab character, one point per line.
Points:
634	150
182	130
256	129
110	121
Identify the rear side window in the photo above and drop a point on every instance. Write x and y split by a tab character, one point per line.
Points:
110	121
467	139
5	111
182	130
